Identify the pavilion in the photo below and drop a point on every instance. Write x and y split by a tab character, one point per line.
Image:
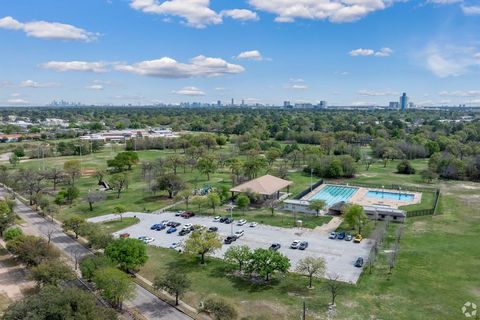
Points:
267	186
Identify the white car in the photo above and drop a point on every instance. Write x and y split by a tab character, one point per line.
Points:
187	226
175	245
146	239
295	244
217	219
239	233
253	224
241	222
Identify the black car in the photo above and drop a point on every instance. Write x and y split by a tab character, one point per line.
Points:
275	246
229	239
359	262
184	232
173	224
213	229
229	220
341	235
223	219
303	245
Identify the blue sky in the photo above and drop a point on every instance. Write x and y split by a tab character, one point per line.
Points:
267	51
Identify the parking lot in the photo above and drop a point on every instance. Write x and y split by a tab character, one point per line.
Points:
340	255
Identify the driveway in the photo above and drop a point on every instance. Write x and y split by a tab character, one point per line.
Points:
339	255
146	303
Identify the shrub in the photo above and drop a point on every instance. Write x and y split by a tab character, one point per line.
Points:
12	233
405	167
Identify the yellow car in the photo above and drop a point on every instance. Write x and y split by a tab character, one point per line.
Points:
358	238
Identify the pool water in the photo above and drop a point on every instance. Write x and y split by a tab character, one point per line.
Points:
333	194
390	195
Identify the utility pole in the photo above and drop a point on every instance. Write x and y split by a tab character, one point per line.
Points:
304	311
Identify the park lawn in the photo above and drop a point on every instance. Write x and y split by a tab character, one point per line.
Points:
116	225
5	301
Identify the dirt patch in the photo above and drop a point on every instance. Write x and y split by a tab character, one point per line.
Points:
88	172
419	226
367	175
13	278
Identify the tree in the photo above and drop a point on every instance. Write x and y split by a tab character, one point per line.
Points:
355	216
31	182
235	165
429	175
56	175
243	201
59	303
14	160
175	283
89	265
51	273
73	170
32	250
67	195
202	242
94	197
334	286
253	165
213	200
185	195
174	161
119	211
405	167
12	233
272	155
219	309
264	262
123	159
207	166
311	267
170	183
317	205
119	183
238	254
199	202
7	216
128	253
74	224
114	285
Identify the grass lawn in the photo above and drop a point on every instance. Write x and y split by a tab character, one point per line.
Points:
4	303
115	225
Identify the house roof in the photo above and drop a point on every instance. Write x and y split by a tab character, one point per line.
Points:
266	185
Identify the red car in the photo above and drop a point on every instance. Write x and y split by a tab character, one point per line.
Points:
187	214
125	235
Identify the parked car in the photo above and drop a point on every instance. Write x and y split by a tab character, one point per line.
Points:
303	245
124	235
213	229
173	224
341	235
275	246
223	219
154	226
171	230
187	214
348	237
253	224
217	219
332	235
229	239
241	222
188	227
228	220
164	222
179	213
359	262
176	246
146	239
358	238
160	227
239	233
295	244
184	232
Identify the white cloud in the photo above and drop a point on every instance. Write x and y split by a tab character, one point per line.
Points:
48	30
449	60
444	1
299	87
460	93
333	10
371	93
250	55
166	67
64	66
17	101
35	84
384	52
240	14
97	87
190	91
197	13
471	10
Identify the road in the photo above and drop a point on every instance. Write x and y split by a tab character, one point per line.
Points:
146	303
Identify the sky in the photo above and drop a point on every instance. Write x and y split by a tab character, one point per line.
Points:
347	52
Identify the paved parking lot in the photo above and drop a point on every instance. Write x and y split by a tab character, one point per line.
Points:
340	255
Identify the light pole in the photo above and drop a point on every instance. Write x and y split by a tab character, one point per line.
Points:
231	219
399	193
311	178
383	192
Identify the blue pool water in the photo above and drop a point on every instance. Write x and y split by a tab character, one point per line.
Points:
332	194
390	195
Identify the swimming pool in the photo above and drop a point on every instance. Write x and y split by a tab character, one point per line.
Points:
390	195
332	194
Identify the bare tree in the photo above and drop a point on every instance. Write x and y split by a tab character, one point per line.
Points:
48	232
94	197
334	286
76	255
56	175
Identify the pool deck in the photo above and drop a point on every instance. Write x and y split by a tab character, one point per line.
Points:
360	197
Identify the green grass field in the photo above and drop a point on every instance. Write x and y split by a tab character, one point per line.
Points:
116	225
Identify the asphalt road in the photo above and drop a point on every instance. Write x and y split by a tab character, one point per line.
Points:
146	303
340	255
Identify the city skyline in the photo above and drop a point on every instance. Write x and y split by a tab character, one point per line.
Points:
148	52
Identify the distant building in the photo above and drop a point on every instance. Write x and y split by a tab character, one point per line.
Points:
233	102
303	105
411	105
404	102
394	105
243	103
219	103
286	104
323	104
